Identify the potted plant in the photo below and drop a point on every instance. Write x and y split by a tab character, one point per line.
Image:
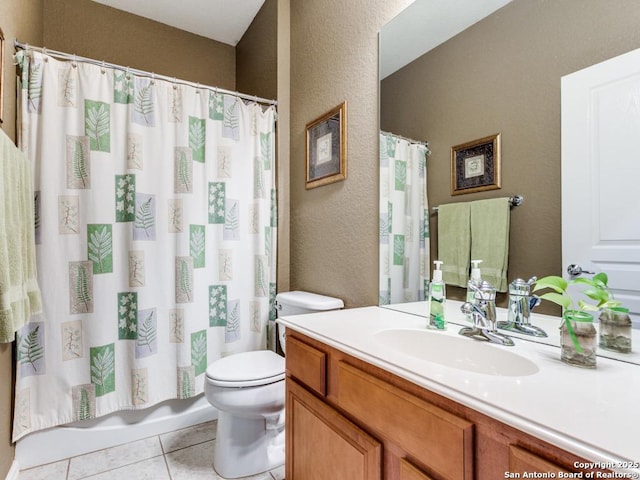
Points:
577	332
615	323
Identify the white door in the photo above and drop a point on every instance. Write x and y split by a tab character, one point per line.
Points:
601	174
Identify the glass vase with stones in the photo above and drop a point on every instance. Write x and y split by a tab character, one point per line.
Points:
578	339
615	330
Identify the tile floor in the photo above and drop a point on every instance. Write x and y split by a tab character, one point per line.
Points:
185	454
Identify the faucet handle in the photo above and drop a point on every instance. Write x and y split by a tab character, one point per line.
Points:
486	292
521	288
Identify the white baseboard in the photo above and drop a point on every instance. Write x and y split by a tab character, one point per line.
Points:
13	471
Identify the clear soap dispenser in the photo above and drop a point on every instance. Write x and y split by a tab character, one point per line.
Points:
437	298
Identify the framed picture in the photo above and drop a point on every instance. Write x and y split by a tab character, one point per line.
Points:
475	166
327	148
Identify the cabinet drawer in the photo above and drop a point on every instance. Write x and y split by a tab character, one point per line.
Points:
521	461
307	364
440	440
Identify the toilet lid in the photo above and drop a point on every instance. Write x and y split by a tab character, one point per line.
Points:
247	369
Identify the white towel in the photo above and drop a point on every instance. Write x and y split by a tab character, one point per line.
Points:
19	291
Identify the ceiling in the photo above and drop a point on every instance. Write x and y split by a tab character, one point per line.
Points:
221	20
420	27
424	25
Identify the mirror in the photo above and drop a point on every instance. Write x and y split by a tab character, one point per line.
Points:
499	72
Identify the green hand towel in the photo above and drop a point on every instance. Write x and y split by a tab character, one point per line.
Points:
490	239
454	239
19	292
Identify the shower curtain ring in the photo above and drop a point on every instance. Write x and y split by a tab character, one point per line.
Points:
103	70
74	63
44	53
153	78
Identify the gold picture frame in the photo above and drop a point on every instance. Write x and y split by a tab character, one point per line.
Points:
326	148
475	165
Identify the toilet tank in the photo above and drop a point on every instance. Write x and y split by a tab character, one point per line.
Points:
297	303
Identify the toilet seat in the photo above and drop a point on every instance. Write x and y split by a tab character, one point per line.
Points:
248	369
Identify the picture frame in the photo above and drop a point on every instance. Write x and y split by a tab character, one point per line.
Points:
475	165
326	148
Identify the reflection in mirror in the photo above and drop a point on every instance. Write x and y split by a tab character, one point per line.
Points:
500	73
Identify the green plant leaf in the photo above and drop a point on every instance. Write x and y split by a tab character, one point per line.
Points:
618	308
558	284
597	294
557	298
582	305
601	278
582	281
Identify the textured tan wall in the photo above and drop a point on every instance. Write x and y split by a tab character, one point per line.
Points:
283	146
22	20
257	54
334	228
90	29
503	75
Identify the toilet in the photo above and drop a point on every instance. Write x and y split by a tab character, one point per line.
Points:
248	391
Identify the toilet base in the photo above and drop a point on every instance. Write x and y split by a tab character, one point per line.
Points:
248	446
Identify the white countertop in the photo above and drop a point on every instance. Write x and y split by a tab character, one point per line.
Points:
592	413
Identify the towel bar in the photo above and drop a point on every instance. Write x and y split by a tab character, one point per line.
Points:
515	201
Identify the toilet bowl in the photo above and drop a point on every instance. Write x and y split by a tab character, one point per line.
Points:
248	391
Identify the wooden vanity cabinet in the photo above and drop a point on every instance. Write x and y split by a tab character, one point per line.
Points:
349	420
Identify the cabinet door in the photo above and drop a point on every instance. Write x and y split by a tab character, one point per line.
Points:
521	461
323	445
442	441
409	472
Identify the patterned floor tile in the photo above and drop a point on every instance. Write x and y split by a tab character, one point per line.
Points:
52	471
188	437
111	458
151	469
192	463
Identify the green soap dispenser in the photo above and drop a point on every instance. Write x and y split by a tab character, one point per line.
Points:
437	298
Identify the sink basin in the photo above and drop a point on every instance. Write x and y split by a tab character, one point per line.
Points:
457	352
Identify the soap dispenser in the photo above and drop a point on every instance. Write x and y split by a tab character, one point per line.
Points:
437	298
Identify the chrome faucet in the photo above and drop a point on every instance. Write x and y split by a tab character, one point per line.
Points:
521	302
483	314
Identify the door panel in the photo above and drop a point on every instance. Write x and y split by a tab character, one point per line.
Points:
601	174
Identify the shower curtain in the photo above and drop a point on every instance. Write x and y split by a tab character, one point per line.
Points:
404	220
155	237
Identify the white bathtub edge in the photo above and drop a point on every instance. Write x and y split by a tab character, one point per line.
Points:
59	443
13	472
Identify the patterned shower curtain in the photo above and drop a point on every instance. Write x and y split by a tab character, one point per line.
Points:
404	221
155	238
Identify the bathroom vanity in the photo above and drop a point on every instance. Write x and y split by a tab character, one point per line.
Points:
373	394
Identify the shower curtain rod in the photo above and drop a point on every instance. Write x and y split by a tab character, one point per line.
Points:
410	140
142	73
